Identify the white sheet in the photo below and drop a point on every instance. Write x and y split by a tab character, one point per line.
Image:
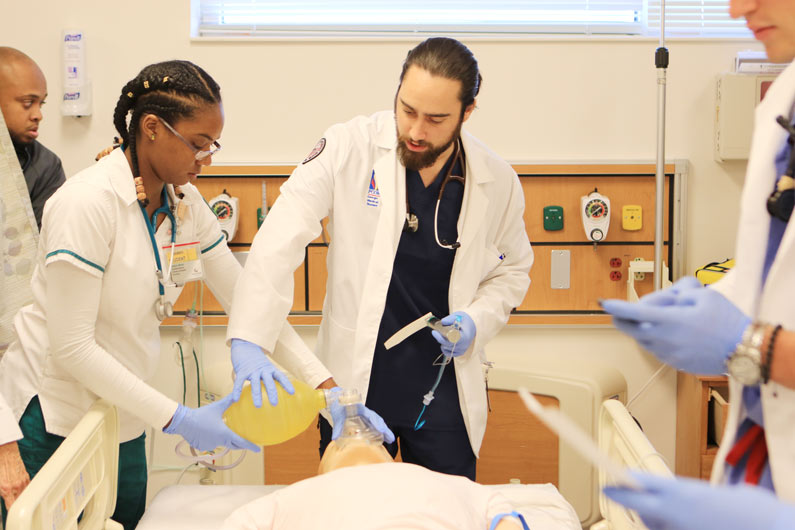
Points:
205	507
197	507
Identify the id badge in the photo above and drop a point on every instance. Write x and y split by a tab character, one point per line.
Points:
185	263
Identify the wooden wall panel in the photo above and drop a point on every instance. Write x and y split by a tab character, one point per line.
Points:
516	445
249	195
543	185
566	192
590	277
318	274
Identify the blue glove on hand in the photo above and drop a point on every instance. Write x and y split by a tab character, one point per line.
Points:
685	504
204	428
338	416
467	328
690	327
251	364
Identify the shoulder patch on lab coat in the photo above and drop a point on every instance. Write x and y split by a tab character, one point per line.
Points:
319	146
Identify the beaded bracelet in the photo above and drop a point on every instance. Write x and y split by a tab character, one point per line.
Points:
766	368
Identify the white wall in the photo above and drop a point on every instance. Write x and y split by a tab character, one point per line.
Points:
542	99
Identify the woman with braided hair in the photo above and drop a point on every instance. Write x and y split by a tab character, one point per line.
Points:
118	241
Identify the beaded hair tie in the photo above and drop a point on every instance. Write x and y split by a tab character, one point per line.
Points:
141	192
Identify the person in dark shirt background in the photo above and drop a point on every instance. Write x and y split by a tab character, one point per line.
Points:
23	91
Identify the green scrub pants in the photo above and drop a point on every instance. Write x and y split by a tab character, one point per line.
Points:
38	445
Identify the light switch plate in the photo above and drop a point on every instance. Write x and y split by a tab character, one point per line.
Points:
560	273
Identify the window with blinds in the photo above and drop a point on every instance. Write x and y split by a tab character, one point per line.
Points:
245	18
694	18
352	17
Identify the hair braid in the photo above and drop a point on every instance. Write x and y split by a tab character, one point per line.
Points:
171	90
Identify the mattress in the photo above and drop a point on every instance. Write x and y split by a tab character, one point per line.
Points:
206	507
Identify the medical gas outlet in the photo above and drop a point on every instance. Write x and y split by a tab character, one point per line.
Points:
225	208
595	209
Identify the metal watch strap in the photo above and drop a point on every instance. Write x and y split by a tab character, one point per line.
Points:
750	347
754	335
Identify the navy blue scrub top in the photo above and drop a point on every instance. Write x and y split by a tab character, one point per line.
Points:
420	283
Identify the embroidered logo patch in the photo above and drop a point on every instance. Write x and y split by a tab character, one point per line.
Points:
373	195
315	151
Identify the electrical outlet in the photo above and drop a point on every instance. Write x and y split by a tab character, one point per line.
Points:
208	397
615	275
639	276
615	262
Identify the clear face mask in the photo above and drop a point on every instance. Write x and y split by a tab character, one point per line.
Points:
356	428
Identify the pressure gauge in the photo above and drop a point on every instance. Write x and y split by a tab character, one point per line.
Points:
225	208
595	209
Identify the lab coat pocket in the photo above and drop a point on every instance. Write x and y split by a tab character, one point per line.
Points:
336	346
64	403
492	258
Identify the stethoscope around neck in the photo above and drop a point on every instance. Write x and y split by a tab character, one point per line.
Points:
781	201
412	222
163	308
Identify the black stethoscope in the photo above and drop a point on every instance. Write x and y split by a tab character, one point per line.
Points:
782	200
163	309
412	222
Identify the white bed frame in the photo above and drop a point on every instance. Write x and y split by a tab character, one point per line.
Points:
622	439
81	475
79	478
580	389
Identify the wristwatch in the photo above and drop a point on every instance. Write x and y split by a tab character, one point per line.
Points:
745	363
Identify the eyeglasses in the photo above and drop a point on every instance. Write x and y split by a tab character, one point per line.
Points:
200	154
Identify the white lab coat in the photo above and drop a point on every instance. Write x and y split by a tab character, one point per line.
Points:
365	227
94	223
9	429
774	303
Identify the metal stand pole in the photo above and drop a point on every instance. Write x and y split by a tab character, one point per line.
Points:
661	62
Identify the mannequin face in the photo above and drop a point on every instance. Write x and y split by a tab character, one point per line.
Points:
352	453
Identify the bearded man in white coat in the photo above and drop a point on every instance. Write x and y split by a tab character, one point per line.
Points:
422	218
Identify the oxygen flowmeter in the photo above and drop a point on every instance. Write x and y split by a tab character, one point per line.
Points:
595	209
225	208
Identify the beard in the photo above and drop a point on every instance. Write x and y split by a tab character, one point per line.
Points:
420	160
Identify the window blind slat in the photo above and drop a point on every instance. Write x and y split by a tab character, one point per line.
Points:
694	18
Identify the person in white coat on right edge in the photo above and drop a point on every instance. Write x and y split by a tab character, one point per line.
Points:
743	325
422	218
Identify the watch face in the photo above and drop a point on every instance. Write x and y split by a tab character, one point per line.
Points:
745	369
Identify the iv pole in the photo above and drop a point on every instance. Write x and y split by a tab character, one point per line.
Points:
661	62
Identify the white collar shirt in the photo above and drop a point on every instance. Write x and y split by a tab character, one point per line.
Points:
95	223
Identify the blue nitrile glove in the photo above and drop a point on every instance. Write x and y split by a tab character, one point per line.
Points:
695	330
685	504
338	418
204	428
251	364
468	330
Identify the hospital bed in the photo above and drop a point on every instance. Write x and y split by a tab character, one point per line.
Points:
621	438
81	477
